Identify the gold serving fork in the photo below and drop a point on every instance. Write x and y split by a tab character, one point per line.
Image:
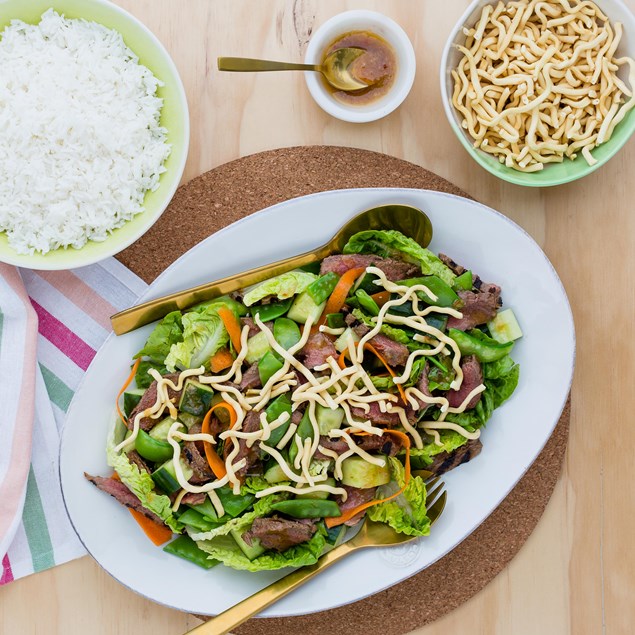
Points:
371	534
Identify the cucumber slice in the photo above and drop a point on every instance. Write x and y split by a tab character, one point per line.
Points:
275	474
195	398
341	343
356	472
251	551
322	495
160	431
504	327
304	307
328	419
189	420
257	347
130	400
165	477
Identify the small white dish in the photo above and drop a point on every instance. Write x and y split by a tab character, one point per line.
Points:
376	23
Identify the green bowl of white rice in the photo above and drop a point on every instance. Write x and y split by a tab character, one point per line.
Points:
95	131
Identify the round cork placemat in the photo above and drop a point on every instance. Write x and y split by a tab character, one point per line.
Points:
235	190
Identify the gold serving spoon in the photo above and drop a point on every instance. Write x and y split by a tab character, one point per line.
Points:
371	534
404	218
336	67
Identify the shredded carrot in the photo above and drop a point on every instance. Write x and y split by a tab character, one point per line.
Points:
215	462
221	360
341	361
127	383
381	298
340	293
232	325
334	521
159	534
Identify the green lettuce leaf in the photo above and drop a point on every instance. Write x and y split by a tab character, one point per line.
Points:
225	549
441	379
238	308
262	507
282	286
406	513
394	333
420	457
393	244
167	332
203	334
140	483
142	378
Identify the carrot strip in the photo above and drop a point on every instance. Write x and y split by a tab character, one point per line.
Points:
221	360
341	361
340	293
381	298
350	513
232	325
127	383
158	534
216	464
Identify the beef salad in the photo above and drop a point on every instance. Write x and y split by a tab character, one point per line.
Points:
263	424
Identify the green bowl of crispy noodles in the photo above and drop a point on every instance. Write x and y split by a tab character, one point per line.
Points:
174	117
552	173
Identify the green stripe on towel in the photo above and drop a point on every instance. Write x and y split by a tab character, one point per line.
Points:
36	528
58	391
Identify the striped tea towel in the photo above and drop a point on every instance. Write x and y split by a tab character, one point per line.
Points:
51	326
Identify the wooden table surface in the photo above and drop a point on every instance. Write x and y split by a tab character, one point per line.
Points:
576	574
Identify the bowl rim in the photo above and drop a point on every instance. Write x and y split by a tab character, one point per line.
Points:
538	179
22	260
385	105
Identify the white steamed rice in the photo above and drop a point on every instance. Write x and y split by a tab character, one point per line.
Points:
80	139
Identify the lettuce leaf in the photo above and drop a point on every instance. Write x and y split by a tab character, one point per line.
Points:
142	378
225	549
238	308
282	286
262	507
394	333
450	441
393	244
138	482
167	332
406	513
203	334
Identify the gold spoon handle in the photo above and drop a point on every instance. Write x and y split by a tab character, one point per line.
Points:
254	604
246	64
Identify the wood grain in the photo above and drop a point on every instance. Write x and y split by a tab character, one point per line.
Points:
575	575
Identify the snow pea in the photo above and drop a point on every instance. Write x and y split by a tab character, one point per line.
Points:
335	321
463	282
268	366
152	449
444	292
207	510
368	304
308	508
234	505
321	289
477	343
304	431
272	311
274	410
184	547
192	518
286	332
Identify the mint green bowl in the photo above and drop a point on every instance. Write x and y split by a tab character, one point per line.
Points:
174	117
554	173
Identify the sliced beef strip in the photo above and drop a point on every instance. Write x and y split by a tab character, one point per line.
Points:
279	533
253	465
253	327
317	350
423	386
356	497
395	353
372	443
122	494
445	462
149	399
194	455
472	377
376	416
394	269
194	499
478	307
251	378
451	264
137	459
